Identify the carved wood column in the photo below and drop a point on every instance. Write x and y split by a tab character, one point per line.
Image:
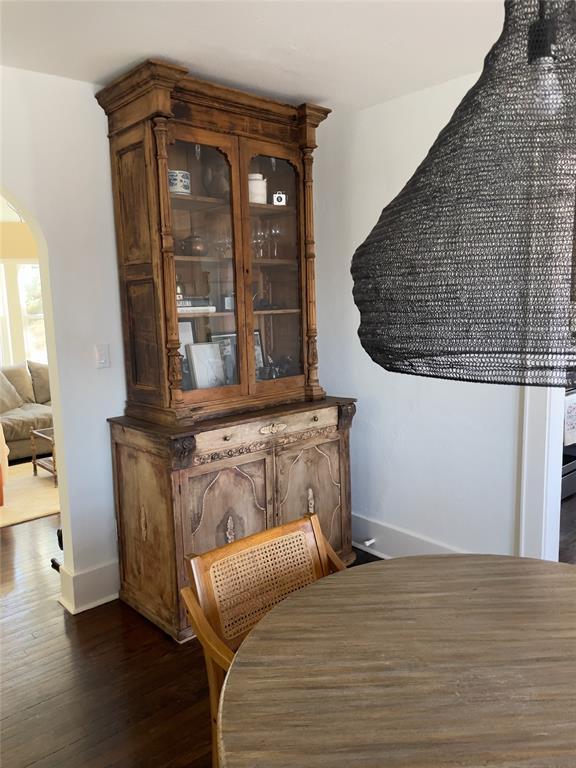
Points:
310	117
168	269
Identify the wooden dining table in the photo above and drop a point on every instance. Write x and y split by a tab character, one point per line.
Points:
457	661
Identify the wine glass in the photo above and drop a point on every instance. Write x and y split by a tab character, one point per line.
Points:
275	234
223	247
258	241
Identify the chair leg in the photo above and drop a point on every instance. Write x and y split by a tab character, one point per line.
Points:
215	682
215	758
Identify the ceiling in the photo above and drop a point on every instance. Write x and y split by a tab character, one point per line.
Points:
343	54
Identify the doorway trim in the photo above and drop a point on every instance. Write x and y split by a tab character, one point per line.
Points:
49	329
542	415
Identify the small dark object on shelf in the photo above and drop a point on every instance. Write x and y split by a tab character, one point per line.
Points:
286	366
269	371
261	304
193	245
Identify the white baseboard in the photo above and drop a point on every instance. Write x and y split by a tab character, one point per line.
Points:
83	590
74	610
392	541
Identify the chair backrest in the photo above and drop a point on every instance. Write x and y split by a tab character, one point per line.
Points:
237	584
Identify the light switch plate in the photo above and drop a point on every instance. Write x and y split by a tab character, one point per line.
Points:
102	355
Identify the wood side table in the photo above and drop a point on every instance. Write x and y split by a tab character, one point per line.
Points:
421	662
46	462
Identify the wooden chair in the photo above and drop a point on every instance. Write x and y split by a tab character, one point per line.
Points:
234	586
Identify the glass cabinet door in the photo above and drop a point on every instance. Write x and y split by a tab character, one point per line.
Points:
200	184
275	260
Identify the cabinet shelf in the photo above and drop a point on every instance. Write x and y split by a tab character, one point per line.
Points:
292	263
199	202
267	209
275	263
192	315
276	311
203	203
203	259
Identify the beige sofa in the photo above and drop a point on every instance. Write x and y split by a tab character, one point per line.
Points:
24	405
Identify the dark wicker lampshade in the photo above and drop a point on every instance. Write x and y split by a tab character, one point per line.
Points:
468	273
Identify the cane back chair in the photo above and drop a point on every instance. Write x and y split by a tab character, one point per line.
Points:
234	586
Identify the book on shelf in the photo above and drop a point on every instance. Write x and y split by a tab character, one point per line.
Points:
187	310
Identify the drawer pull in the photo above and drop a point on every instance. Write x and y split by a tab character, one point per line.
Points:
273	429
315	418
227	438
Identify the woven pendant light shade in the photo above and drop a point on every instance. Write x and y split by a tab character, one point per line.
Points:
468	272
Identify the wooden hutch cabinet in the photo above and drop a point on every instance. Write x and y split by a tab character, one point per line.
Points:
227	430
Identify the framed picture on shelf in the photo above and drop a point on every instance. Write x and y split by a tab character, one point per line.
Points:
258	351
227	343
206	365
228	346
186	334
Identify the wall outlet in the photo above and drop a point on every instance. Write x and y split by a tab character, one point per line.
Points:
102	355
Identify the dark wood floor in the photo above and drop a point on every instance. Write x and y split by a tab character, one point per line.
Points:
101	689
568	530
105	688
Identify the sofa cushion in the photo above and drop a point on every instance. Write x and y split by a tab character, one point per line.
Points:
9	397
40	381
19	377
18	422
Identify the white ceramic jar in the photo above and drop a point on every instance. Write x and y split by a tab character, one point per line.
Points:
257	188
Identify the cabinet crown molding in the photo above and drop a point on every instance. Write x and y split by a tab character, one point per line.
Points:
152	73
181	86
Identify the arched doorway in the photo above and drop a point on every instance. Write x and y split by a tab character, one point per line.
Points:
32	429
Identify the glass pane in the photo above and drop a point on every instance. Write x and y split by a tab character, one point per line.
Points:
275	267
199	182
5	342
30	290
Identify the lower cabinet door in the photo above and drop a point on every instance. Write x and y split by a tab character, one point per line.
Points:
308	480
223	502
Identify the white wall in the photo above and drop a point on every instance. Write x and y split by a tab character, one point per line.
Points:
56	168
435	464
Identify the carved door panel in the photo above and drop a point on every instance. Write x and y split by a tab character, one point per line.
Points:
308	480
226	503
146	522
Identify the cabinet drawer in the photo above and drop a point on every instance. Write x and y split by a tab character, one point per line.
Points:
265	429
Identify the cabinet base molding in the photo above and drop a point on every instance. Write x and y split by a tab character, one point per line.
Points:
188	490
181	635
